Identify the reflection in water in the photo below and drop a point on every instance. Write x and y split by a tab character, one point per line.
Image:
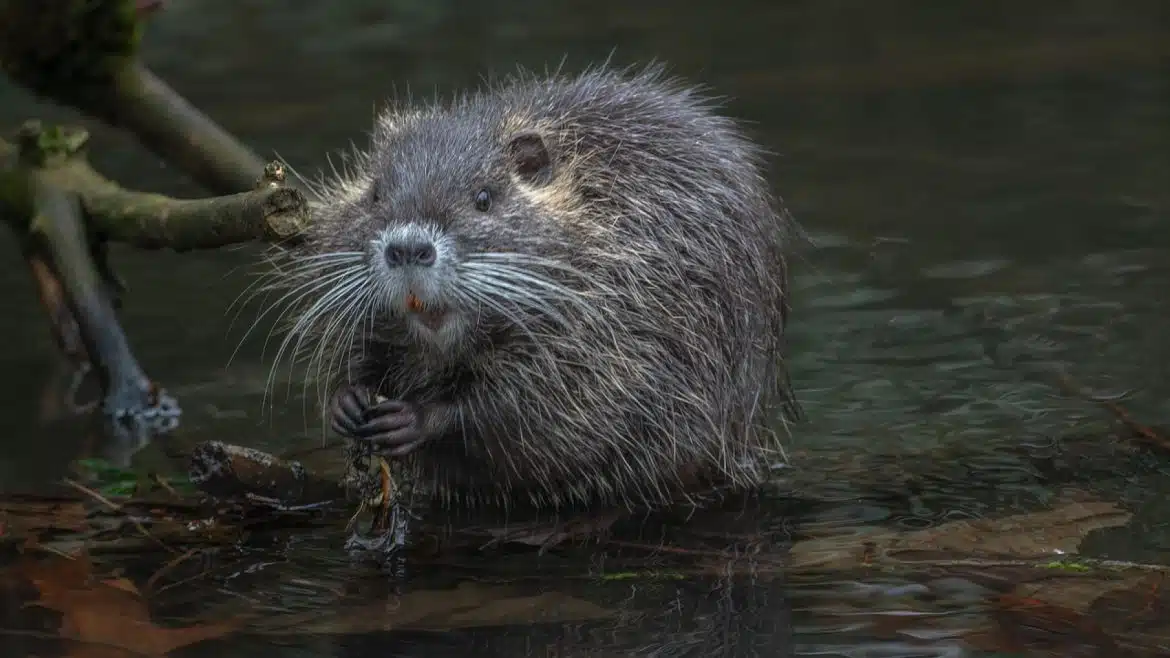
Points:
700	619
724	620
984	186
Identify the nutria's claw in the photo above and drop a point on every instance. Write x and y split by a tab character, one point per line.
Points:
347	410
393	427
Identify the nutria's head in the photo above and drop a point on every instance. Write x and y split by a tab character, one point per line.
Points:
456	223
448	215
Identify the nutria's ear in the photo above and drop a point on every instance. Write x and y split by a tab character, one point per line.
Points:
530	157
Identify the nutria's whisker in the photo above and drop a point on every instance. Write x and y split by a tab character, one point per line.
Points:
509	270
323	309
332	255
516	258
493	285
291	297
339	287
347	326
307	286
521	275
276	277
513	314
345	321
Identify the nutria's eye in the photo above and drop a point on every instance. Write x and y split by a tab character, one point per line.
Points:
483	200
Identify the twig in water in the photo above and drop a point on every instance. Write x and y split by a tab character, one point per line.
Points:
117	508
167	568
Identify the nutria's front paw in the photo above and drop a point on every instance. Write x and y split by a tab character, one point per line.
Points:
391	427
348	408
394	428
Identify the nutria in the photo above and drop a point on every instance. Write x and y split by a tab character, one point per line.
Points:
556	290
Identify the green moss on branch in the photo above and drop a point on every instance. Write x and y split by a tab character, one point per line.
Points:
153	221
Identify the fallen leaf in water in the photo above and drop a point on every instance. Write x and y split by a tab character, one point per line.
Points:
1047	602
468	605
33	517
1059	531
1026	624
1145	599
1077	593
1054	532
102	617
1035	628
1138	614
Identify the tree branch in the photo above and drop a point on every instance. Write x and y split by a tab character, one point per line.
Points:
64	212
58	224
176	131
65	329
84	54
152	221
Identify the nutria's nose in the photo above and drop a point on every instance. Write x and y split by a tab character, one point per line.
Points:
410	253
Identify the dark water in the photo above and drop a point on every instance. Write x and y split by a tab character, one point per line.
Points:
987	187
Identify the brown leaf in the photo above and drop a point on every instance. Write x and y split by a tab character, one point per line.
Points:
1140	613
1031	625
108	616
1055	532
29	517
1099	613
1147	599
1049	533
